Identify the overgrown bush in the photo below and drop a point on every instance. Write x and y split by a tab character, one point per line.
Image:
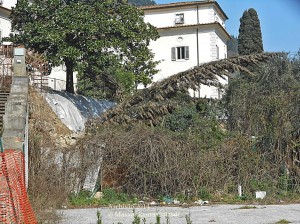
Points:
144	161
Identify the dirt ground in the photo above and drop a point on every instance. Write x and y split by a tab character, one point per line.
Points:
251	214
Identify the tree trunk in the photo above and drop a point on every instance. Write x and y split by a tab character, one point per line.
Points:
69	76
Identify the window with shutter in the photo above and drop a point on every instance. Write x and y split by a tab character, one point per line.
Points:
180	53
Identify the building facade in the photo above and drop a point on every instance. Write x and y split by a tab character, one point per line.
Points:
191	33
5	22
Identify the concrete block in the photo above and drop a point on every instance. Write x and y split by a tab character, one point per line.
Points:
12	122
19	88
20	80
13	133
12	143
16	108
17	98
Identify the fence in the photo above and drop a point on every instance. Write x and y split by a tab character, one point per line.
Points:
14	203
6	61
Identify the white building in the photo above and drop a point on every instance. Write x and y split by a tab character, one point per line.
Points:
191	33
5	22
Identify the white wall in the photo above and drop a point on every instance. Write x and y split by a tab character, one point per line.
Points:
166	17
5	23
207	40
162	49
57	78
185	36
5	26
9	3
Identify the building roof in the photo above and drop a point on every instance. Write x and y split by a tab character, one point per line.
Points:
182	4
5	9
198	25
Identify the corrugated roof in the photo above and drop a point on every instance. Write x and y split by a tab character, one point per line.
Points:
181	4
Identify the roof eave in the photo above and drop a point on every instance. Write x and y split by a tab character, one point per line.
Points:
182	4
6	9
198	25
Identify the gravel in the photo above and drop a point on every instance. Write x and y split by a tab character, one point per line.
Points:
258	214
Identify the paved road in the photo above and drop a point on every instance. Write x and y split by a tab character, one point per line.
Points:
262	214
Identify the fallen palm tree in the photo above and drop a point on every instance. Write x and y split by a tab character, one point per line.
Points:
151	104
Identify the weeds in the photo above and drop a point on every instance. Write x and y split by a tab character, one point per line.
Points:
136	218
99	217
188	219
247	207
167	219
283	221
158	219
110	197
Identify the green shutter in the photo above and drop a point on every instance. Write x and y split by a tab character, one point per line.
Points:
187	53
173	54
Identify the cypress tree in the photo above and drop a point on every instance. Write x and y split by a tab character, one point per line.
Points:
232	47
256	31
250	37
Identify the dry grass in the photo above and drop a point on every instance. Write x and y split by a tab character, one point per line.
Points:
147	161
45	131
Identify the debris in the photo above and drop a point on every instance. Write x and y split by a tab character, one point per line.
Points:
168	200
260	194
153	203
176	202
201	202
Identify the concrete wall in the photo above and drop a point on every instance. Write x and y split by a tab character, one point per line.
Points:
14	120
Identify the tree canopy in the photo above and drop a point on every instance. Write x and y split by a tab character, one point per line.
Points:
141	2
250	36
86	34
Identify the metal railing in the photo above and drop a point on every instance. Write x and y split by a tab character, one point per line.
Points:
6	69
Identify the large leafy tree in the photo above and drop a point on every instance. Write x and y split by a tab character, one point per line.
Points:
141	2
86	33
250	36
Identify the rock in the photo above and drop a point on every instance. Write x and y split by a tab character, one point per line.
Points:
176	202
98	195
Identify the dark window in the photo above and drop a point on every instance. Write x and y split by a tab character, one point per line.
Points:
179	18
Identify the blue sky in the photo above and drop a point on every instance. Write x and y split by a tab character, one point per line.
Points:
279	20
